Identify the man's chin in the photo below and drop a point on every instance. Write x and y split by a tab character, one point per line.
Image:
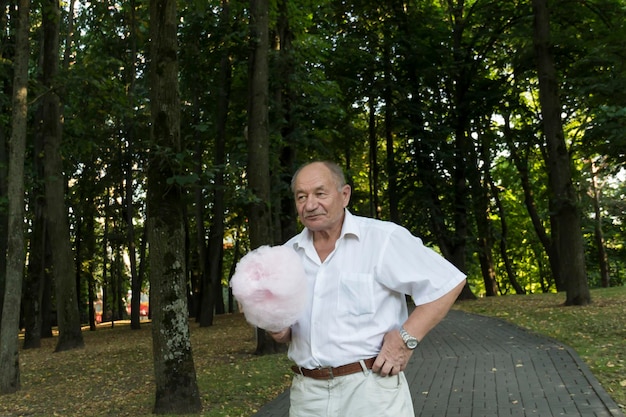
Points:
313	225
313	219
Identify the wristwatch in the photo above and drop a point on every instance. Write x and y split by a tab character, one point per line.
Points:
410	341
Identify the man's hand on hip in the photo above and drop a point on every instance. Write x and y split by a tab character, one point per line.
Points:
393	356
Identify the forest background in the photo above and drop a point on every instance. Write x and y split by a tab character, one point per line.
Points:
492	130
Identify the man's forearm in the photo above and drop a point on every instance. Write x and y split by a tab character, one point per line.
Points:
426	316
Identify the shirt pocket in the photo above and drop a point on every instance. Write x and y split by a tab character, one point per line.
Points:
356	293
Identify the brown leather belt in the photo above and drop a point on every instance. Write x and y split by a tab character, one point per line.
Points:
330	372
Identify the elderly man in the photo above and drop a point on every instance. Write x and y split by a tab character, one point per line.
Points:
355	338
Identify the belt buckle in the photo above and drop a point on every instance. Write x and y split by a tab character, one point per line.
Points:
330	371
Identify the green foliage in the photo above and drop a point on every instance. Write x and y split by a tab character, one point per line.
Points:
605	133
455	89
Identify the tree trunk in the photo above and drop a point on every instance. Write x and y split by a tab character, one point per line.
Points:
90	248
521	163
3	216
4	233
70	335
216	233
204	304
258	172
106	274
288	219
175	375
564	201
9	349
48	316
479	183
78	262
4	158
373	157
284	97
390	161
120	277
213	299
36	274
142	260
459	122
231	272
504	231
258	129
603	259
136	284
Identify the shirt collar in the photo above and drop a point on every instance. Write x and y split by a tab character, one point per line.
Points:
350	227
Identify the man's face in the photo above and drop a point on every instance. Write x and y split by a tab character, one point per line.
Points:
319	202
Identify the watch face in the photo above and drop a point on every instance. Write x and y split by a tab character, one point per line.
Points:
410	341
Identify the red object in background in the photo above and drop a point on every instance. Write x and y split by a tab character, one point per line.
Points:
97	306
144	305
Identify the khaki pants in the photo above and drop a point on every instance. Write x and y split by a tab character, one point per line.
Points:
356	395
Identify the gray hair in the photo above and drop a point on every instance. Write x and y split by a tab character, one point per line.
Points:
335	170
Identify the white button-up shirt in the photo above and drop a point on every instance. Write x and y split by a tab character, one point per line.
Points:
358	293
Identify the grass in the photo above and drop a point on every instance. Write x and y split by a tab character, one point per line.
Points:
597	332
112	375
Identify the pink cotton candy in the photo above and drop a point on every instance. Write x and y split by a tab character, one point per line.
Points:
271	286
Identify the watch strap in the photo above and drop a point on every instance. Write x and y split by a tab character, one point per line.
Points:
410	341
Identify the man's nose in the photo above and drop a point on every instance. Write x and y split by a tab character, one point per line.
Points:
311	203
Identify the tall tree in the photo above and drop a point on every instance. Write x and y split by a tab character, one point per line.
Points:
564	201
390	160
89	212
504	228
258	140
70	335
129	162
175	375
204	300
215	251
9	350
595	192
5	85
479	180
284	101
374	171
37	273
4	158
211	254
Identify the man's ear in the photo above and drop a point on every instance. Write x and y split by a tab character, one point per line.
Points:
346	191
